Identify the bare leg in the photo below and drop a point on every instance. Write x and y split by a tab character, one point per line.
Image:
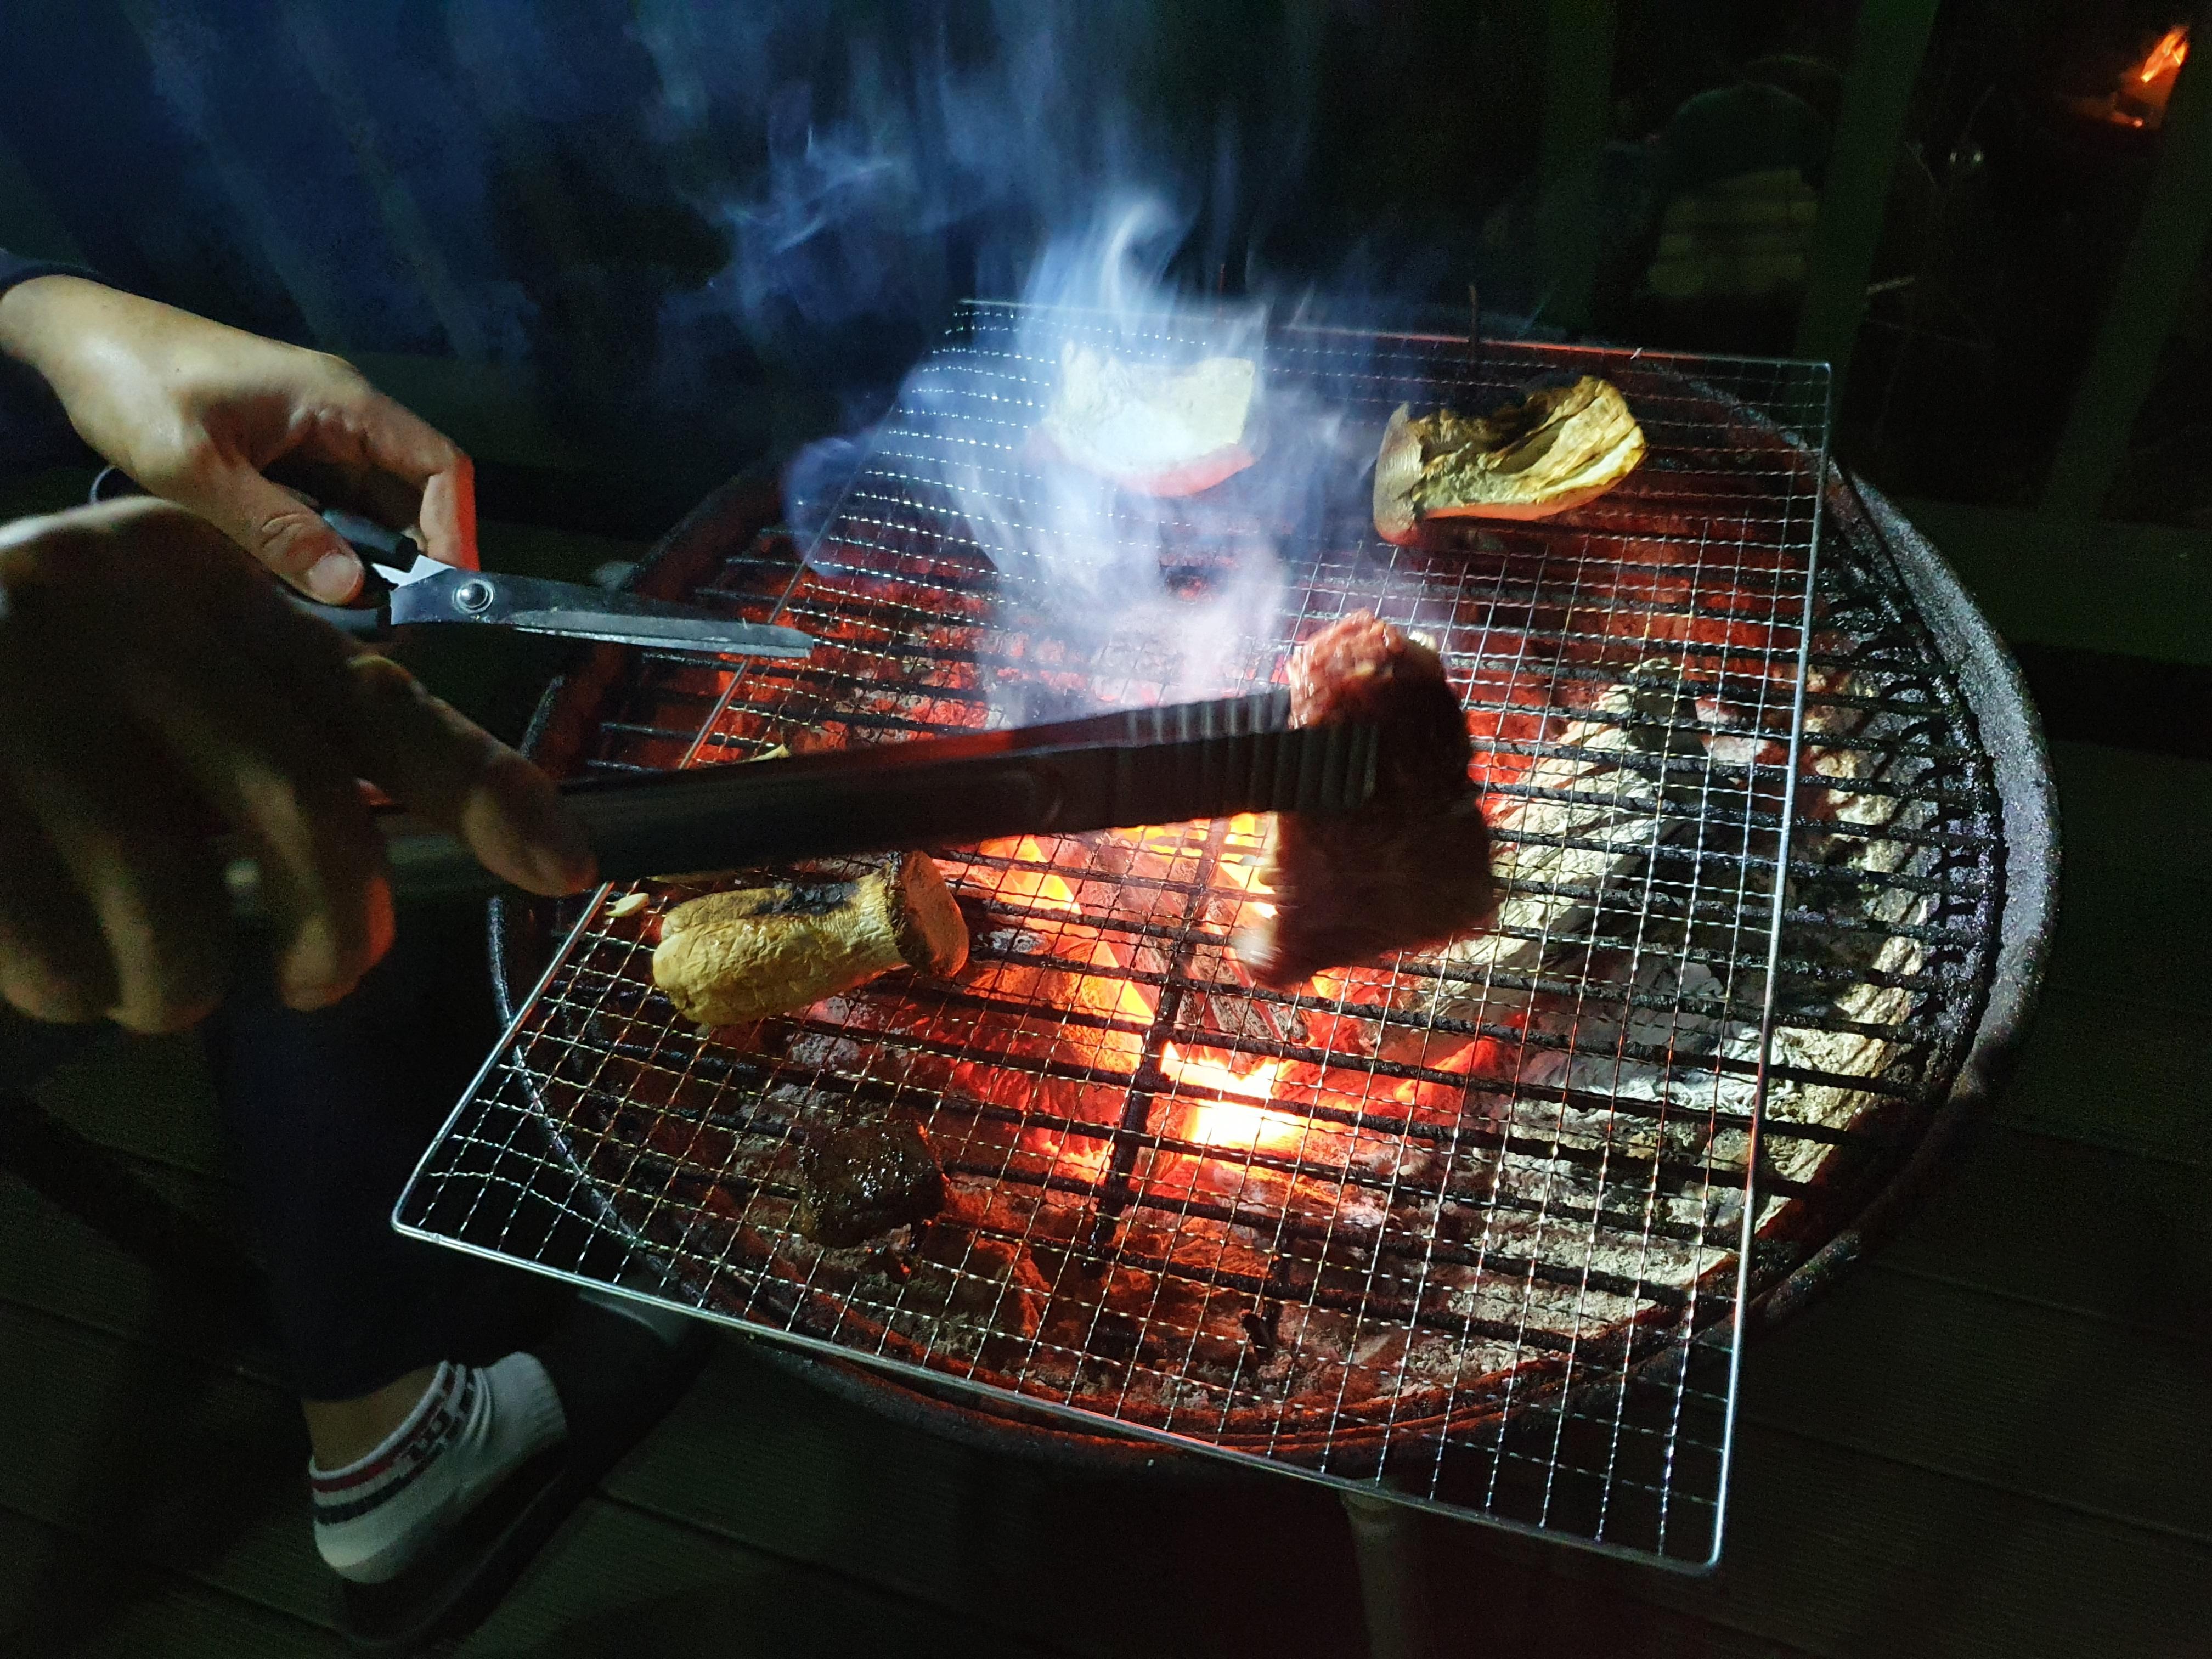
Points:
344	1432
1386	1544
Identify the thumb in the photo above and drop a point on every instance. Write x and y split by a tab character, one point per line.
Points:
282	531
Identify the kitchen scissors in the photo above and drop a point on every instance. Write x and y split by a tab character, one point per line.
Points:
405	587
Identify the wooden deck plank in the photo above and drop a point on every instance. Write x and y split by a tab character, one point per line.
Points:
2136	934
2122	807
2115	1055
192	1467
2132	591
65	1593
1855	1557
2107	1071
150	1096
2031	1399
186	1454
620	1580
1230	1564
760	1456
2100	1233
51	1262
2134	903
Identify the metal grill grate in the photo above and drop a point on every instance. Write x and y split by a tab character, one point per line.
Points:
1467	1229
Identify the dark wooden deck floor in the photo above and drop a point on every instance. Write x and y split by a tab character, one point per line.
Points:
1995	1439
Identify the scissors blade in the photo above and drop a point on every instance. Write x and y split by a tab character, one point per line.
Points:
534	605
423	566
703	634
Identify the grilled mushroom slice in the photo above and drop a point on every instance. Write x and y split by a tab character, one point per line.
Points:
760	951
1148	429
1556	448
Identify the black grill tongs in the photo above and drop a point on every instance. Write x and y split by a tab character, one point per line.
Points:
1124	770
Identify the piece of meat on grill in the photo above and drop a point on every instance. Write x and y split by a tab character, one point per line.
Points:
727	957
1411	868
862	1180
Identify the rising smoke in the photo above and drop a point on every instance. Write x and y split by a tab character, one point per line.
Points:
1038	151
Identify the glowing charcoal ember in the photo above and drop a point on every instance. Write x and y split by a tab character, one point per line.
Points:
1068	1155
1481	1058
1047	959
1259	1083
1229	1123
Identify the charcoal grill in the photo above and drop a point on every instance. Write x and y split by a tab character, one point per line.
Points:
1479	1231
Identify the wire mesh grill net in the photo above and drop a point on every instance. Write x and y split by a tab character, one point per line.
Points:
1466	1228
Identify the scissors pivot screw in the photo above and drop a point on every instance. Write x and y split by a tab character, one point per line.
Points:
473	597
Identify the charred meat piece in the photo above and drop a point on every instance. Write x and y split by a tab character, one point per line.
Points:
1556	448
1411	868
760	951
863	1181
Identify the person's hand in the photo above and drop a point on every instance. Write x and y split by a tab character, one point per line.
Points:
213	419
155	690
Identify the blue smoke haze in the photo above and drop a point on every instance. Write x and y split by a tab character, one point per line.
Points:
675	214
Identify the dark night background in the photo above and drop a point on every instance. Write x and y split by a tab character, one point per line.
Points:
695	231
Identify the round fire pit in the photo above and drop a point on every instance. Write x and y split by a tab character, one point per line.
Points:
1470	1227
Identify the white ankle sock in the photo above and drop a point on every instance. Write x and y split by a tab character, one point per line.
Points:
472	1426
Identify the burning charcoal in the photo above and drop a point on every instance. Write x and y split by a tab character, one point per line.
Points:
1586	822
1556	448
972	1284
740	956
1411	868
894	1265
863	1181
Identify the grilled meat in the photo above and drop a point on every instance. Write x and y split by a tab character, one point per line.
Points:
760	951
1150	430
1411	868
862	1180
1554	449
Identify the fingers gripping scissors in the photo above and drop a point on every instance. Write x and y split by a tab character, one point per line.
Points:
405	586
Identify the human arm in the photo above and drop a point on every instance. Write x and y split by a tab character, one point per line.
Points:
219	420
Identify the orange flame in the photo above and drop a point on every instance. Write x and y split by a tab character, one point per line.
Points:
1095	962
2171	52
1228	1122
1041	888
1082	1158
1259	1083
1101	987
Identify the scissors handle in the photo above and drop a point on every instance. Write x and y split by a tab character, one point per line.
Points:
368	624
